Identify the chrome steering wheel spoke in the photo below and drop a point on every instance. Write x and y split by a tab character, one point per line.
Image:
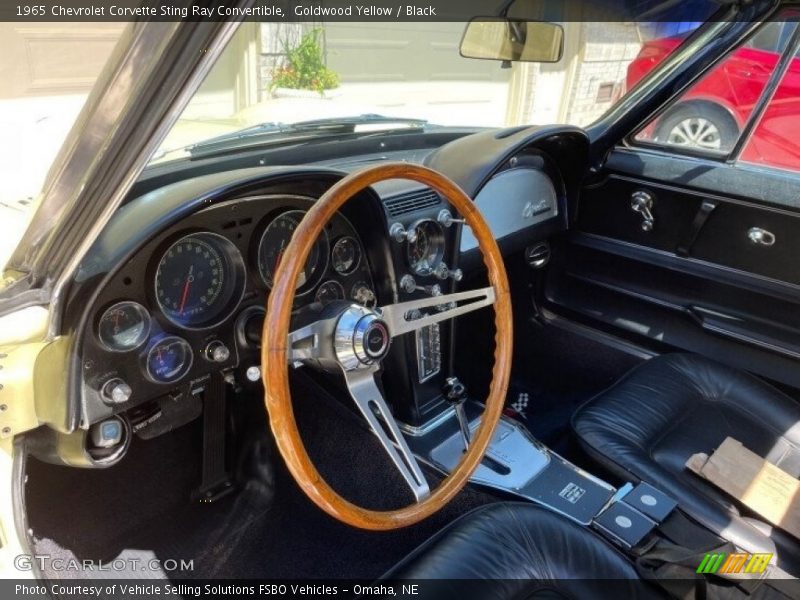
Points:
369	400
399	320
305	343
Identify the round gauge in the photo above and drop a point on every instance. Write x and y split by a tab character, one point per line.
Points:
199	280
346	255
425	253
274	242
169	359
329	291
363	294
124	326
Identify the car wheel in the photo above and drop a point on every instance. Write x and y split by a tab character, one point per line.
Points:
700	128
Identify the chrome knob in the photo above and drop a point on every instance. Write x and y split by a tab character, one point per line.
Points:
456	274
445	217
400	233
442	272
217	352
116	391
408	284
253	373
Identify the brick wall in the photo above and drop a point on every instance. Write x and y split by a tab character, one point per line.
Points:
607	49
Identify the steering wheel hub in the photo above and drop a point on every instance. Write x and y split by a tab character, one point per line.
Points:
361	339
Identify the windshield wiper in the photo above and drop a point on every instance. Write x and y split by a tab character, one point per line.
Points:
331	126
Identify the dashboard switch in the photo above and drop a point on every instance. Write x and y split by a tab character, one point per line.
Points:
400	233
456	274
116	391
442	272
408	284
253	373
446	219
217	352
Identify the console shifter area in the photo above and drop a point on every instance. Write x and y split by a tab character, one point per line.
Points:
456	394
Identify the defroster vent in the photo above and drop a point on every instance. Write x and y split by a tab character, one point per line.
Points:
410	202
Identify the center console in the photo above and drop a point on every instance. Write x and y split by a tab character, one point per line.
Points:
520	466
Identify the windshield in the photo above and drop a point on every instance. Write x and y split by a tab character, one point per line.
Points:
343	77
397	75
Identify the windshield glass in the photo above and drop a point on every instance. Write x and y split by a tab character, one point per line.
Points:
345	77
391	75
48	70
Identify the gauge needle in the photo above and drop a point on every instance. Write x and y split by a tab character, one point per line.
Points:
185	294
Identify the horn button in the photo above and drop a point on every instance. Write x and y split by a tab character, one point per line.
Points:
361	338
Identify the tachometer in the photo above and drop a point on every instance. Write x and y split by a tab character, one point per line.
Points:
274	242
169	359
425	253
124	326
199	280
346	255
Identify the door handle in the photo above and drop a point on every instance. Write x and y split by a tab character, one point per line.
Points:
642	203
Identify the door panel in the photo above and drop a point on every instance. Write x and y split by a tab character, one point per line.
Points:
696	281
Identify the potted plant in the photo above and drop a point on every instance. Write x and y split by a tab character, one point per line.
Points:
303	72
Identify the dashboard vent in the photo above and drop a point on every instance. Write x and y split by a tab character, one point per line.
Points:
413	201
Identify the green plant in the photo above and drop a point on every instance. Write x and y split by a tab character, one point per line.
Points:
304	67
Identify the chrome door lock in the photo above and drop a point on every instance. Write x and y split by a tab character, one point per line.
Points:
761	237
642	203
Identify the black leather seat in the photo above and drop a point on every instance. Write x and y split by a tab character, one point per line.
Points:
521	551
646	426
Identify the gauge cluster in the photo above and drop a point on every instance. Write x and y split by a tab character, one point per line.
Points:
191	301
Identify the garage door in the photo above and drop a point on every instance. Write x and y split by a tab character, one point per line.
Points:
47	59
404	52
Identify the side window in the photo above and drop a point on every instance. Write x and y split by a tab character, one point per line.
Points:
710	116
775	140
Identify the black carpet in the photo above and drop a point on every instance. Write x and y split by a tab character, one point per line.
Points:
267	529
556	371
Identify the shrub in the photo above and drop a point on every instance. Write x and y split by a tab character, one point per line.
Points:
304	66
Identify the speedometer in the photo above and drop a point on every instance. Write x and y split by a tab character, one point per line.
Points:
273	244
199	280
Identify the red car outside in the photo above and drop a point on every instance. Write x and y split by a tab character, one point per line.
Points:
711	115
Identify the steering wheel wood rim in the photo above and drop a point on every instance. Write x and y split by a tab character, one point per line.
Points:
274	350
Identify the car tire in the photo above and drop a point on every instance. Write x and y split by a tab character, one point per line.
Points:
698	127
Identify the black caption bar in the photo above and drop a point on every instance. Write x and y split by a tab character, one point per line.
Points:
420	589
337	10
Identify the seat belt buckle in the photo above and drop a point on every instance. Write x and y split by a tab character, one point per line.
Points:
623	525
649	501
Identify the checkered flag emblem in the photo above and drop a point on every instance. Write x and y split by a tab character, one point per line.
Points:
520	405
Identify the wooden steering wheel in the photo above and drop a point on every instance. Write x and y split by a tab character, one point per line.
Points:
354	340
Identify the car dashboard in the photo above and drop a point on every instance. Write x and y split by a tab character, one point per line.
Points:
171	299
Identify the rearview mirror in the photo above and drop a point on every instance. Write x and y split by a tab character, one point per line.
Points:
495	38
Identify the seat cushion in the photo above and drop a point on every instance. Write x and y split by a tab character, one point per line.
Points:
527	552
646	426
